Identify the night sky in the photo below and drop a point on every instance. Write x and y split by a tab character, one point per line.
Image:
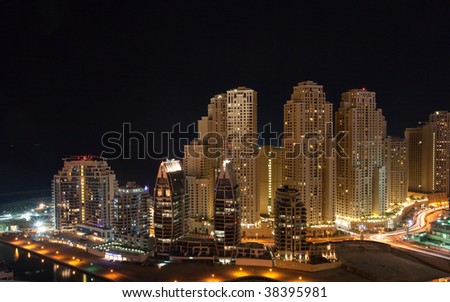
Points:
72	70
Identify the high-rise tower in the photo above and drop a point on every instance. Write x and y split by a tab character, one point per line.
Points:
361	175
227	212
308	121
131	210
241	147
441	120
396	159
429	156
171	210
201	166
290	224
83	193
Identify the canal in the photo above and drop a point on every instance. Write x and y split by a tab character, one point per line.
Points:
29	267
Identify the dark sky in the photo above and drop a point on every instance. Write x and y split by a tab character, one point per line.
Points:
72	70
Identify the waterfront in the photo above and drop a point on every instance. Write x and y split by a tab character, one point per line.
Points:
30	267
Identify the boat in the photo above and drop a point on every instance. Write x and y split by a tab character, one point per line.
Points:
6	272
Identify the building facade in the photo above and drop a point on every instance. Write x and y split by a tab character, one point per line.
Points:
441	121
171	206
361	175
83	193
227	212
308	119
242	149
202	166
131	210
429	151
270	163
199	170
290	224
396	159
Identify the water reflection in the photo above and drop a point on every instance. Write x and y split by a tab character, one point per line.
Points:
16	254
28	267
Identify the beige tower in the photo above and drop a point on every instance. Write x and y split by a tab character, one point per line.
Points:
199	172
83	193
290	224
361	176
307	124
242	149
396	159
202	166
441	120
429	151
216	120
269	170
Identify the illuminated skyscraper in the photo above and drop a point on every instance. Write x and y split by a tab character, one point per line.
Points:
131	210
396	159
216	120
290	224
269	169
200	180
201	167
83	193
429	151
227	211
441	120
308	121
242	149
171	210
361	176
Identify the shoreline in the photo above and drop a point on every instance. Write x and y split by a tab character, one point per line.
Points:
57	261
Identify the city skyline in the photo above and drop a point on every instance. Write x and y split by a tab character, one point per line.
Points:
216	141
64	64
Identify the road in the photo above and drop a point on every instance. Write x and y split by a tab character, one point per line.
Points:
421	223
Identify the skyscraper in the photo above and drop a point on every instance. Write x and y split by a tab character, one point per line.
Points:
227	212
131	210
201	167
269	169
216	120
396	159
83	193
421	155
429	151
200	180
241	148
361	175
308	121
171	210
441	120
290	224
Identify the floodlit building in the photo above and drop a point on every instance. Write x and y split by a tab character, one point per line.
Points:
429	151
242	149
308	119
199	171
441	120
83	194
270	162
396	159
361	182
214	125
290	224
227	212
202	166
131	213
171	209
